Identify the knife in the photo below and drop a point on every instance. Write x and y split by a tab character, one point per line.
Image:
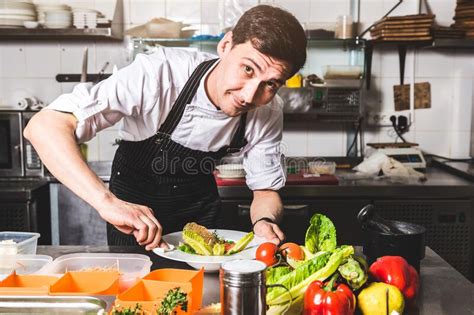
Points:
84	65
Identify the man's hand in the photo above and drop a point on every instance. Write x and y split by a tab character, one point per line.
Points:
133	219
270	231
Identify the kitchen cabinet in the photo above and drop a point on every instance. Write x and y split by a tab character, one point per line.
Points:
296	216
74	221
449	226
24	206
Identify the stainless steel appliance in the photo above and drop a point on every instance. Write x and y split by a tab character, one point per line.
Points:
18	158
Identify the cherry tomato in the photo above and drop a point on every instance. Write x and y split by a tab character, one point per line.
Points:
292	250
266	253
228	246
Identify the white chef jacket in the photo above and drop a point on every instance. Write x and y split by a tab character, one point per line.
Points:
141	95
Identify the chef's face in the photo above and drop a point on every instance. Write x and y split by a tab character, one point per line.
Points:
245	78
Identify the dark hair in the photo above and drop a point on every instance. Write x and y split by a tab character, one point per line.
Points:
274	32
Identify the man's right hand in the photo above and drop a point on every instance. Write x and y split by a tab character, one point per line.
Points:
130	218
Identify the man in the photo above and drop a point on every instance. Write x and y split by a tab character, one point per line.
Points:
180	112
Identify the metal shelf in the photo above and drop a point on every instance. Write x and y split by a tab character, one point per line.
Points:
112	33
105	34
353	42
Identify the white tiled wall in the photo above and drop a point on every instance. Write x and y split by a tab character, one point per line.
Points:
30	67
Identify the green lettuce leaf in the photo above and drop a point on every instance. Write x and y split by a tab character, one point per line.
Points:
186	248
197	243
320	267
321	234
241	244
218	249
275	273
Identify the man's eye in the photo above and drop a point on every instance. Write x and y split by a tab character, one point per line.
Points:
248	69
272	85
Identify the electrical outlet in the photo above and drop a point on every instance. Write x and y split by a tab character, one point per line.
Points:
382	119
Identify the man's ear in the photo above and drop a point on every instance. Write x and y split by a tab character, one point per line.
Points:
225	45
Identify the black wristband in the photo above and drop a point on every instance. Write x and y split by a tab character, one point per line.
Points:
263	219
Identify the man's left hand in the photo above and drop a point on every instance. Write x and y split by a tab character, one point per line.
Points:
270	231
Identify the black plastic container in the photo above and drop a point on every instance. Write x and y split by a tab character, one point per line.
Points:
410	244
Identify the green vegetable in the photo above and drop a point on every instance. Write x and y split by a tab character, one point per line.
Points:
241	244
320	267
197	242
273	274
174	298
353	272
218	249
321	234
186	248
128	311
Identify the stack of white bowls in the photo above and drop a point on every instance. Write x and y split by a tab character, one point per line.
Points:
54	15
14	12
83	18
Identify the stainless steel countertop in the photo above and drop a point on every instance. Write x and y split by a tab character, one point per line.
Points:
443	289
24	189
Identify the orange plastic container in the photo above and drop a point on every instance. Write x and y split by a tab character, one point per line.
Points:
26	284
149	294
87	283
195	277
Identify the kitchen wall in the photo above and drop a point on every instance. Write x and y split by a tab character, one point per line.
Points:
30	67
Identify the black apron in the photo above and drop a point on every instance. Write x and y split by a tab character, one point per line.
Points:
175	181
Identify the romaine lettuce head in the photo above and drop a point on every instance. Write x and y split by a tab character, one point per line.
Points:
320	267
321	234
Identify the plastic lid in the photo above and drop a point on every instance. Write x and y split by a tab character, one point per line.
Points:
243	266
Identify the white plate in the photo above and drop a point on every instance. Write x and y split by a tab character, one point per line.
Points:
209	263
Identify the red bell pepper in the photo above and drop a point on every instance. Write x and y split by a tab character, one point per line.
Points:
328	298
396	271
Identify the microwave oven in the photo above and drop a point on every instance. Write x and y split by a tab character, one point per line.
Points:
18	158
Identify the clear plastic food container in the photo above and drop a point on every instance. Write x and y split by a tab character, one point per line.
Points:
131	267
18	243
22	264
322	168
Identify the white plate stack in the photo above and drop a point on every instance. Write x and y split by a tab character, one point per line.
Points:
85	18
13	13
54	15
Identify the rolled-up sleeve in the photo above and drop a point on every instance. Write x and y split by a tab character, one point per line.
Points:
99	106
264	162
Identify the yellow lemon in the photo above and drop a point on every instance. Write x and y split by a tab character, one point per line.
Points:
373	299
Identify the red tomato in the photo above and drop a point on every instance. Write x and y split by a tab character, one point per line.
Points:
266	253
292	250
228	246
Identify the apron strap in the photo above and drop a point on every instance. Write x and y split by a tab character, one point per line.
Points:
238	140
184	98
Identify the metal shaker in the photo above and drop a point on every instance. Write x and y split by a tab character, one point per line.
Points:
242	287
